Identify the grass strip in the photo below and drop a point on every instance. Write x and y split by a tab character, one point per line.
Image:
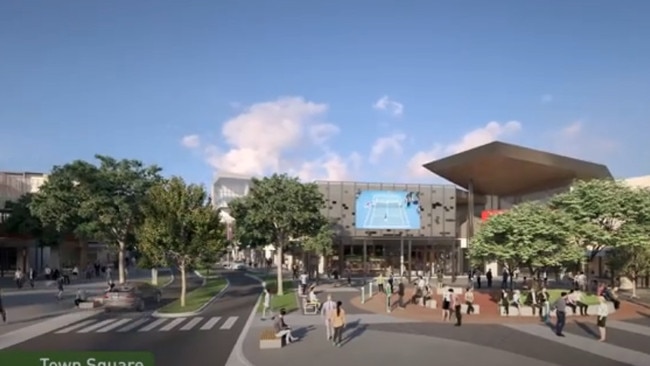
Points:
197	298
287	301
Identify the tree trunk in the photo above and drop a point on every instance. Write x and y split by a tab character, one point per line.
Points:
154	276
280	283
183	284
634	278
120	263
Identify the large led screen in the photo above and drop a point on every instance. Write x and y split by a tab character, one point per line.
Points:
382	210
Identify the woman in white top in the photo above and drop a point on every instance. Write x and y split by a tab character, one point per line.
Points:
603	311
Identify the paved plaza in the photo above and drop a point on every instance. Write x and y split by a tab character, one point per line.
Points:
379	338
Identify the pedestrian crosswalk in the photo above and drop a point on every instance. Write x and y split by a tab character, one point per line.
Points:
150	324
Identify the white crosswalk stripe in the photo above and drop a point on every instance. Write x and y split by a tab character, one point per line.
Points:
112	326
210	323
229	323
75	326
172	324
192	323
149	324
133	325
153	325
96	326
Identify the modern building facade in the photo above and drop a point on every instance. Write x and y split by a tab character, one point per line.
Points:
484	180
22	251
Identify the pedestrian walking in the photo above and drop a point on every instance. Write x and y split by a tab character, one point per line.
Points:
446	305
267	304
338	322
59	283
457	308
560	314
603	311
3	312
327	310
32	276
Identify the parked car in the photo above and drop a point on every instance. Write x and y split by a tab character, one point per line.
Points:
237	266
131	296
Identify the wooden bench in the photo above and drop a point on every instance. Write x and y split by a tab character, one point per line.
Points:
309	308
268	340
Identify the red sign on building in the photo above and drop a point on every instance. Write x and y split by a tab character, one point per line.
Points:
486	214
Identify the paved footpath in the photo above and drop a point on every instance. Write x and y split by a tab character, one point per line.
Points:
384	339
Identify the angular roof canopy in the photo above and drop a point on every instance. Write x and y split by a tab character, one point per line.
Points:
504	169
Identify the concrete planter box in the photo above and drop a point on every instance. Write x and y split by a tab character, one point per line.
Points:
268	340
429	304
444	290
477	309
90	305
528	311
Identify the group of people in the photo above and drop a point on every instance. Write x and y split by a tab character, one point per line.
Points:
332	313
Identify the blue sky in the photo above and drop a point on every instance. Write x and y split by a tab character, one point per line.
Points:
335	89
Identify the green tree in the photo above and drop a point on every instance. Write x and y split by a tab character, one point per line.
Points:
279	208
597	207
631	255
530	235
100	202
21	221
180	224
320	243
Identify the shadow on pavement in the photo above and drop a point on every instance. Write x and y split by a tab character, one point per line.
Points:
587	329
303	331
357	330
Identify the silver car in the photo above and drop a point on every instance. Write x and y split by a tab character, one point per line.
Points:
131	296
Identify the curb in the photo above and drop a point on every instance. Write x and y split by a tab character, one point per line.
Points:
157	314
237	357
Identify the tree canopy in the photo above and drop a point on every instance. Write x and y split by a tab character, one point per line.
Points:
180	224
597	207
277	209
21	221
530	235
102	202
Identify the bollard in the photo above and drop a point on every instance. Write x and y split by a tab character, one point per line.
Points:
370	290
363	295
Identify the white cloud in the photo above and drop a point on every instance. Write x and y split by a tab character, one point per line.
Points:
577	141
392	106
321	133
572	130
191	141
480	136
331	166
546	98
264	136
388	144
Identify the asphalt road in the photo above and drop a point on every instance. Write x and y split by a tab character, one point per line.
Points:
203	340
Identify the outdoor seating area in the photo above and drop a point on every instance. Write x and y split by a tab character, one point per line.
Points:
527	310
309	308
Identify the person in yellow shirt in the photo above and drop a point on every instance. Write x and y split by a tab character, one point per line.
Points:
338	323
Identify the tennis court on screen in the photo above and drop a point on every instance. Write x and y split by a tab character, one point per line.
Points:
385	210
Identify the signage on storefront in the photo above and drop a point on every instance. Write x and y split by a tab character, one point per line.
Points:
486	214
